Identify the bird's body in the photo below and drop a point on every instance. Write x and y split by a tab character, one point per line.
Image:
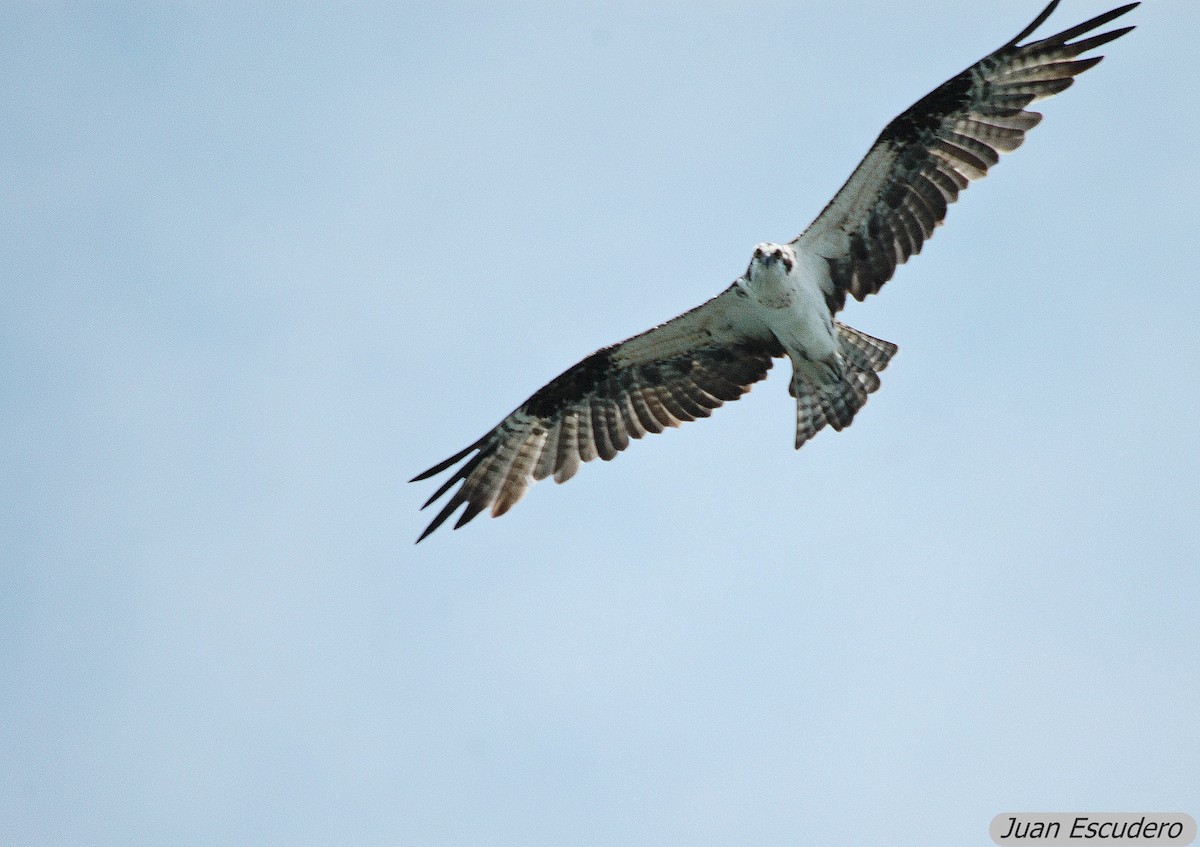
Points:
785	302
787	287
789	292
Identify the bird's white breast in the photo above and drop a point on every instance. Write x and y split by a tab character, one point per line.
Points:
793	306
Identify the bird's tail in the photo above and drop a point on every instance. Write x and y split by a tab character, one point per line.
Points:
833	393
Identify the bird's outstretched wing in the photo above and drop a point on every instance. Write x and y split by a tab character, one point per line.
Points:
676	372
931	152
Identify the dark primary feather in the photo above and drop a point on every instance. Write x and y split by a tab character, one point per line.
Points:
930	152
676	372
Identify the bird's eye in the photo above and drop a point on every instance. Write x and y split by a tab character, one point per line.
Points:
758	253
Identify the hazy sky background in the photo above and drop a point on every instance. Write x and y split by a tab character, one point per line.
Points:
262	264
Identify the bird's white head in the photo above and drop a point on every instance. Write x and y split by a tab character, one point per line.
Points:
775	260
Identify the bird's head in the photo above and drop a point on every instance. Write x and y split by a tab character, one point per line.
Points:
775	259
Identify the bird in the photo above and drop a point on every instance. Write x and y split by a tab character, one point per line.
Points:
785	302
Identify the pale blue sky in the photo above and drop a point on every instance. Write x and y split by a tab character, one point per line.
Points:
264	263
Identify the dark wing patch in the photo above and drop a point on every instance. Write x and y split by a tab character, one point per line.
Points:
921	161
676	372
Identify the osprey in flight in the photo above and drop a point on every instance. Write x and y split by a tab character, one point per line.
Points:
783	305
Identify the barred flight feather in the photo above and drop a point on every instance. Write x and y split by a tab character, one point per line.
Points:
593	410
934	149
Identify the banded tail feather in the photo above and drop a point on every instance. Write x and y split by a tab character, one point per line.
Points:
834	395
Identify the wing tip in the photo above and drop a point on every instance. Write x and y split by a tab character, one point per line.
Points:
458	476
443	465
1037	22
1067	34
444	514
